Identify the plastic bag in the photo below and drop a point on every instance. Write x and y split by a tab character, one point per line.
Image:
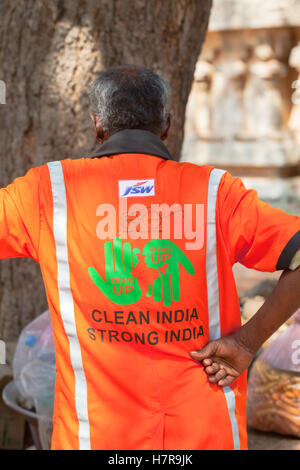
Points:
273	400
34	372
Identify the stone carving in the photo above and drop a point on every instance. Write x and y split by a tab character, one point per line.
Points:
294	121
263	96
243	114
227	97
240	14
202	105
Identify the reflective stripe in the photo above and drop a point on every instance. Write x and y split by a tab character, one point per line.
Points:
66	302
211	256
230	398
213	288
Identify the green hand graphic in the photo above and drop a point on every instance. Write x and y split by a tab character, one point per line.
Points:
121	287
165	256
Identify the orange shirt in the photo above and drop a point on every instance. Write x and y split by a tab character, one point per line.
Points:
133	286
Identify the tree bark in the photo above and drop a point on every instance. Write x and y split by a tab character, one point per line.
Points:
50	52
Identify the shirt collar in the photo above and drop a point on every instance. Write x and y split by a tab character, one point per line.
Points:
133	141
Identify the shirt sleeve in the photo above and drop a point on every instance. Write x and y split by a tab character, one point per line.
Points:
20	217
256	234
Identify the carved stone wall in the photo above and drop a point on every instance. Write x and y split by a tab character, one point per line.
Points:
241	14
244	109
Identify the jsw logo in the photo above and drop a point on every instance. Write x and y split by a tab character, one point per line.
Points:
136	188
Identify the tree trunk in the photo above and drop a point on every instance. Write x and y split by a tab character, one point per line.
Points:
50	52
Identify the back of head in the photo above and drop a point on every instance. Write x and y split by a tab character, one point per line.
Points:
130	97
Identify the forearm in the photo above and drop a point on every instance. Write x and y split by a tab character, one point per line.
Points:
279	306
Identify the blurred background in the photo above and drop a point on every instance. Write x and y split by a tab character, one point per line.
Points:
234	72
243	112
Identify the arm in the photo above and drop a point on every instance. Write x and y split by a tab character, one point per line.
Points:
227	358
20	217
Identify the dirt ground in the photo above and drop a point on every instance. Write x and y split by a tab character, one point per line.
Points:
245	279
262	441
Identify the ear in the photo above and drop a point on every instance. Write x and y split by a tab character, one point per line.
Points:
99	133
168	123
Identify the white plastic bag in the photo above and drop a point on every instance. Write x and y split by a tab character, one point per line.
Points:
34	372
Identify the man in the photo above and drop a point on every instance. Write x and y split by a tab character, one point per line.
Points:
136	252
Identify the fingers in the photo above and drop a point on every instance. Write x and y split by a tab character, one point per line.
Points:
109	258
205	353
216	371
216	377
127	257
213	369
207	362
226	381
166	286
157	290
118	254
175	285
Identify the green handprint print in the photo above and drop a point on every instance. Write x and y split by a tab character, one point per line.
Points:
165	256
121	287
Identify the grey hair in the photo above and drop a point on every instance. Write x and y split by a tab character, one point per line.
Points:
130	97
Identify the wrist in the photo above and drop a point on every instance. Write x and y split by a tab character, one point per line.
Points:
246	340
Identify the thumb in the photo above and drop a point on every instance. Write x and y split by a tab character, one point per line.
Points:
205	353
97	279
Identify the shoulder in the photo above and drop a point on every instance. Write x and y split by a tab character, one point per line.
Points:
190	168
67	165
